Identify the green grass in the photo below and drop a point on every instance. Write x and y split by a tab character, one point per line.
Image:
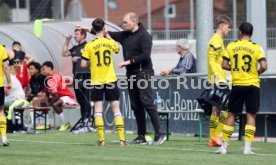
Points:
67	149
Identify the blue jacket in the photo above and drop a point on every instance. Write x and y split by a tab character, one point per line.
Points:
186	64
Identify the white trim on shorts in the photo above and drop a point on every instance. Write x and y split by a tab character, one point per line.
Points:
68	100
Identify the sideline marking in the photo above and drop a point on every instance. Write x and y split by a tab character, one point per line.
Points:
135	146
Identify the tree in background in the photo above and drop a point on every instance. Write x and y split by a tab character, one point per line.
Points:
4	13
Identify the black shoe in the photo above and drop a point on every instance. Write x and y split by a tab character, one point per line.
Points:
140	139
5	142
160	138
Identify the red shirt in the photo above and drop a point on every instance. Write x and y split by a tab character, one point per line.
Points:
55	84
23	76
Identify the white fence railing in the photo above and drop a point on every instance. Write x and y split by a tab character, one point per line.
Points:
177	34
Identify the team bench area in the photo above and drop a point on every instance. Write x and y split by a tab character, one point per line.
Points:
42	112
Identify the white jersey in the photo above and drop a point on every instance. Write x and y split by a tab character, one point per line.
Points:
16	93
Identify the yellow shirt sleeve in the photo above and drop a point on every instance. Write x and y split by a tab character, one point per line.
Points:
3	53
214	50
227	53
85	53
261	54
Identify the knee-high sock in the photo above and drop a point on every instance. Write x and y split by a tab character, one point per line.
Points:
213	125
99	123
222	120
62	118
249	133
119	122
3	126
227	133
32	116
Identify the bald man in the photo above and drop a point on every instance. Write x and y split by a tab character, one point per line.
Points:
137	43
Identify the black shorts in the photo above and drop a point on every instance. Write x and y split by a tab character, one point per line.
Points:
110	91
250	95
2	96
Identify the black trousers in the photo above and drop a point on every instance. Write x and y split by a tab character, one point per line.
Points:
82	95
142	101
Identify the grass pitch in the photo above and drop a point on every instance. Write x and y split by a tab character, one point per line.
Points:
55	148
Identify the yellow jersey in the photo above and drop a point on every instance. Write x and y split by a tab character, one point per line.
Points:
3	58
244	56
99	53
215	52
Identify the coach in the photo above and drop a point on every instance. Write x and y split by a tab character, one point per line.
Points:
137	43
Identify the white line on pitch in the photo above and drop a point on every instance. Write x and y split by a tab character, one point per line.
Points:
49	142
132	146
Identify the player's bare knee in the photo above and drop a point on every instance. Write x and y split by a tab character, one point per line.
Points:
215	111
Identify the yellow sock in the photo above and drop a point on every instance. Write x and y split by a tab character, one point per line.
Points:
221	122
227	132
119	122
213	125
3	126
99	123
249	133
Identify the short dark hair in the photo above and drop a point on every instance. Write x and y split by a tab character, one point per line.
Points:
98	25
48	64
246	28
16	43
82	32
35	64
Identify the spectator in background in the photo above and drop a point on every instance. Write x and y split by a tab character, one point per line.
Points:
187	61
4	71
80	75
57	92
18	60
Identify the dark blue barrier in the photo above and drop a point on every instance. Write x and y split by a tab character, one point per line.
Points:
180	94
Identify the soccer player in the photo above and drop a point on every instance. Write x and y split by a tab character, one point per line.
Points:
4	70
37	80
99	54
18	60
242	58
14	97
216	75
17	52
58	93
36	96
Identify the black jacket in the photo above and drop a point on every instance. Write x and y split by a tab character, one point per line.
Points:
137	48
76	51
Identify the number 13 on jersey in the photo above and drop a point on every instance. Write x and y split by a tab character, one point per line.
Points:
243	62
